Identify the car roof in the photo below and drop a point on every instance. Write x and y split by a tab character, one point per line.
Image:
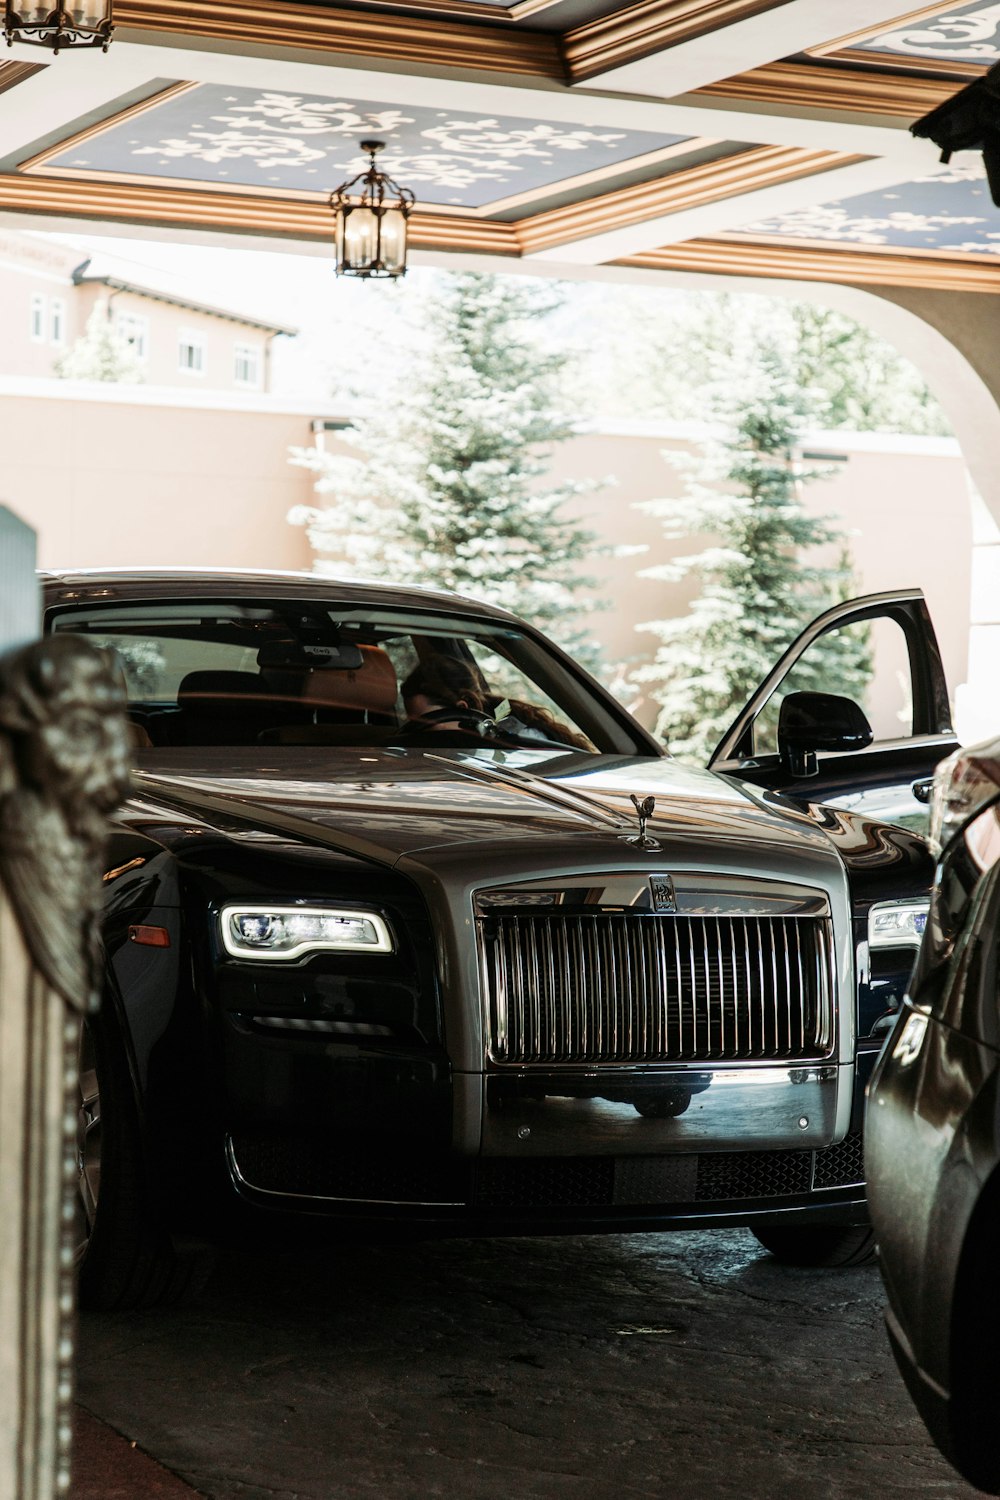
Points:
84	585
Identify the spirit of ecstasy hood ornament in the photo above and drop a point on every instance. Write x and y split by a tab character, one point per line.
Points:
645	811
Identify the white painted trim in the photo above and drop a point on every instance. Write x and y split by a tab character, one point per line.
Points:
735	48
833	440
47	101
106	392
729	213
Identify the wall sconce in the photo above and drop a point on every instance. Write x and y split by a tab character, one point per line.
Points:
57	26
370	212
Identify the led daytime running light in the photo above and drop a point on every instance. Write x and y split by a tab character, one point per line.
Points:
287	932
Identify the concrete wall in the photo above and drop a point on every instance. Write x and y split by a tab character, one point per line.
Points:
113	475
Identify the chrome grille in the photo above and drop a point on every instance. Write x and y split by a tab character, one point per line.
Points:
634	988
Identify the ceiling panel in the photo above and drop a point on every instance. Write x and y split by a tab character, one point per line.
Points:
231	137
950	211
966	34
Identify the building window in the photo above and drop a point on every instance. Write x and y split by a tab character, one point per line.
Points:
57	320
38	318
246	364
191	352
134	331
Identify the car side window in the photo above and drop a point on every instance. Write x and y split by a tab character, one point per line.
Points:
867	661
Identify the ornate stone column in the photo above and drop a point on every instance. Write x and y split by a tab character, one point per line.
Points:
63	768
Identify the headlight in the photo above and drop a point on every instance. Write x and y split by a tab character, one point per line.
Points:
962	783
287	932
897	924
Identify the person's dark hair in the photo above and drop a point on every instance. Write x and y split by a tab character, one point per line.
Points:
447	681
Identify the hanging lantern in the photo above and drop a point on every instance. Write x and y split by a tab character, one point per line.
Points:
56	26
371	213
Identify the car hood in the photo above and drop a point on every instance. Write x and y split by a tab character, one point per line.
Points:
493	805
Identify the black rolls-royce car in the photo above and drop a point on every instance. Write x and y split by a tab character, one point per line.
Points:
408	919
934	1119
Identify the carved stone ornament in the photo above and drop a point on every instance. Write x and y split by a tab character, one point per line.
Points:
63	768
64	763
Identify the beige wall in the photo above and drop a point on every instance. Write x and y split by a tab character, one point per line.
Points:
903	502
118	482
138	476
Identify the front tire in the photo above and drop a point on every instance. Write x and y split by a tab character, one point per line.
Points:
829	1245
125	1257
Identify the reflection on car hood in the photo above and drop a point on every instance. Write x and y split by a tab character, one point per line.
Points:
384	804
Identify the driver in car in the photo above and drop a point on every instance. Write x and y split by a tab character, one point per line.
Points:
442	693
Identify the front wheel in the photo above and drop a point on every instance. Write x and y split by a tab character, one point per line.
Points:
828	1245
125	1257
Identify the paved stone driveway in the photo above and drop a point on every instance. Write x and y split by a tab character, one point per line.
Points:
687	1366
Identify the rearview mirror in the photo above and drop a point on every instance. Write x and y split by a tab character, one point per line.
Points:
809	722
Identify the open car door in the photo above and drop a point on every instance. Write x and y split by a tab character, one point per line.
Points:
873	751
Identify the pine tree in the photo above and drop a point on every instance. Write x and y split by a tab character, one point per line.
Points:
448	488
759	584
101	353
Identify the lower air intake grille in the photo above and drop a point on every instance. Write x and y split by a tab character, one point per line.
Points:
712	1177
625	988
302	1168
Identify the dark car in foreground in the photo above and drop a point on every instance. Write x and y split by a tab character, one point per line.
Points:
408	921
934	1135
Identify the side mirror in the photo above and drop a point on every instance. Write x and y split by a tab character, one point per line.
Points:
818	721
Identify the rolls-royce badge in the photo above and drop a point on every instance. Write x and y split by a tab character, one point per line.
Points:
661	889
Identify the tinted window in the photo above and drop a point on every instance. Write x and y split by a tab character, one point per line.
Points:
219	672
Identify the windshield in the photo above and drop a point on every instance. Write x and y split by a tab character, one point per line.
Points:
220	672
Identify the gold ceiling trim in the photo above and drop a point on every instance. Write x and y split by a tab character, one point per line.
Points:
868	33
282	218
13	73
321	28
891	62
232	212
817	86
649	26
70	142
845	267
709	182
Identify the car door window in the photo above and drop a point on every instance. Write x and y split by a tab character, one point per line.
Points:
867	660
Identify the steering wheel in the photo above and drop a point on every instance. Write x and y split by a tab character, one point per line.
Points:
443	724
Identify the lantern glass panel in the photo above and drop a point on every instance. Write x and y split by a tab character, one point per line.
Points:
393	241
360	239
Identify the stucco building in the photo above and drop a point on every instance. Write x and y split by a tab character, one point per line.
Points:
49	293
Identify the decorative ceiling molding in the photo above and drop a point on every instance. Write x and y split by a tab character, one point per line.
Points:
284	218
320	28
819	86
649	26
847	267
13	73
890	62
880	28
71	142
745	172
238	213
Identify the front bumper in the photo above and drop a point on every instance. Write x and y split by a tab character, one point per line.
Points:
603	1112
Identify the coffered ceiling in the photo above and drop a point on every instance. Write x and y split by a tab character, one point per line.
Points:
768	137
